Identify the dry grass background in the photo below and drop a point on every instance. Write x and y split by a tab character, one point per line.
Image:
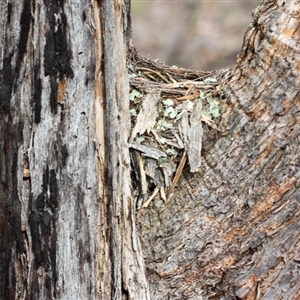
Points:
205	35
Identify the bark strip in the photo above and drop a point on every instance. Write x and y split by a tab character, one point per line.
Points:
127	271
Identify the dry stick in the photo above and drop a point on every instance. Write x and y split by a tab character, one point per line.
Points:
178	174
152	71
146	203
144	184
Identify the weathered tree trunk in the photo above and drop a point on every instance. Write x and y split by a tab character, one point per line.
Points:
232	231
67	214
67	222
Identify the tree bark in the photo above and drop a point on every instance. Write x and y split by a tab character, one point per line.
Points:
231	232
67	221
67	214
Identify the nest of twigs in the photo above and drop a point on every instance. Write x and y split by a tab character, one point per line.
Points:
168	106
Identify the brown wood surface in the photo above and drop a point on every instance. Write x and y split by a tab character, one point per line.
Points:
232	230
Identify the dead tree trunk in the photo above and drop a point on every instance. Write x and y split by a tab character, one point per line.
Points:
67	222
67	214
232	231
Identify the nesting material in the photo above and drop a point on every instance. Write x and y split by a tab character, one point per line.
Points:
168	106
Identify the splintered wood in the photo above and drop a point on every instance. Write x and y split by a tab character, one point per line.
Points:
147	116
168	106
191	131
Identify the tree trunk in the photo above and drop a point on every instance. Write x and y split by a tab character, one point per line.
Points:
67	222
232	231
67	214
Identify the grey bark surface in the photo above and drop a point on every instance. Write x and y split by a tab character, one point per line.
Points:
66	211
232	230
67	223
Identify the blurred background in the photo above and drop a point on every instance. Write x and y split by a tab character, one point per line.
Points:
205	35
